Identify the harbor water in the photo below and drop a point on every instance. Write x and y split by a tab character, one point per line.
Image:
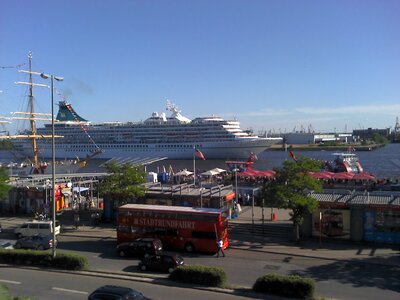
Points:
382	162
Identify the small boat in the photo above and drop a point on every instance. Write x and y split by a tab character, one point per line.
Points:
345	162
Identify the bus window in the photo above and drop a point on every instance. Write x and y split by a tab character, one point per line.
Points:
124	228
171	232
159	231
203	235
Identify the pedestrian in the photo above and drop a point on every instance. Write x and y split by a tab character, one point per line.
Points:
220	244
76	220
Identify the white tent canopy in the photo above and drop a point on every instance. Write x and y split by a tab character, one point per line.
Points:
183	173
79	189
219	170
209	173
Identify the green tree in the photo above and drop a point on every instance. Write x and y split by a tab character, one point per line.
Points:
124	183
6	145
4	186
379	139
291	189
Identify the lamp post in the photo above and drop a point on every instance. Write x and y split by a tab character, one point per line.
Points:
53	155
236	185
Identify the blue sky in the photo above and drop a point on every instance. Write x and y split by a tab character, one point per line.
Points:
273	65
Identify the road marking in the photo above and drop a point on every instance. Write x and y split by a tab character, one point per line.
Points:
9	281
70	291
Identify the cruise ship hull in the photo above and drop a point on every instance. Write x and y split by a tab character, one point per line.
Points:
159	136
223	150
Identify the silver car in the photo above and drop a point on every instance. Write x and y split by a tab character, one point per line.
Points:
37	241
4	244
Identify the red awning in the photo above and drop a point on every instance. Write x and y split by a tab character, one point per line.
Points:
364	176
321	175
257	173
343	175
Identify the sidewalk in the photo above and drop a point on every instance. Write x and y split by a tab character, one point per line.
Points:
327	249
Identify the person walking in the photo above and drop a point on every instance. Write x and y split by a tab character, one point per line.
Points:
76	220
220	248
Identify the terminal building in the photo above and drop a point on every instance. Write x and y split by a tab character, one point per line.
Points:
306	138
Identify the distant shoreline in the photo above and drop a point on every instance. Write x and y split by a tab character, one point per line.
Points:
315	147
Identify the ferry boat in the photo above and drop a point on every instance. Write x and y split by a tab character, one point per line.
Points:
172	137
345	162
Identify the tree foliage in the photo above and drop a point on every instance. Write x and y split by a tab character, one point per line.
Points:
379	139
4	186
291	188
124	182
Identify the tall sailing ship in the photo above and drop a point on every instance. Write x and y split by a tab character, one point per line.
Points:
32	161
172	137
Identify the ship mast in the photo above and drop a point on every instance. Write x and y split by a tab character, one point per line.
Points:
32	116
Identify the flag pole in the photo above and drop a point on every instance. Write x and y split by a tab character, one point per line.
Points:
194	165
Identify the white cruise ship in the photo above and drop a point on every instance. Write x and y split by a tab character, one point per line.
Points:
173	137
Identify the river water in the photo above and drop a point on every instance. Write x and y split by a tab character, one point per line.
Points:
383	162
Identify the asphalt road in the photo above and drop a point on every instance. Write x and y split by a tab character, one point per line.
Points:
46	285
334	279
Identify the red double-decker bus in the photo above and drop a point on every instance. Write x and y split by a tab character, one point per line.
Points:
184	228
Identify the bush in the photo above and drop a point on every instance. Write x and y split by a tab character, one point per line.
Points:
292	286
198	274
67	261
5	295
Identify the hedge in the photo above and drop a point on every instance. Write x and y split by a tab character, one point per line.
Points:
66	261
293	286
5	295
199	274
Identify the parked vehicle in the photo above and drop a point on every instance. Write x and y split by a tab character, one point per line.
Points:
141	247
37	227
116	293
4	244
37	241
165	262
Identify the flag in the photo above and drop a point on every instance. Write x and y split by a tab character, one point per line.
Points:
252	157
291	153
199	154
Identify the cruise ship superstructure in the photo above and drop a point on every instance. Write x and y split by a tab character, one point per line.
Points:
173	137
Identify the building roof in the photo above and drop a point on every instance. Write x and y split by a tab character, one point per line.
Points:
345	198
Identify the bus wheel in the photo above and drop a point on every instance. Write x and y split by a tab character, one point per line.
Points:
189	247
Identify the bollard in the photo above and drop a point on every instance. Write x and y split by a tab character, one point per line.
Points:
274	216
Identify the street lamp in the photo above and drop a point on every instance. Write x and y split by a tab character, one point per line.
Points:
236	169
53	155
